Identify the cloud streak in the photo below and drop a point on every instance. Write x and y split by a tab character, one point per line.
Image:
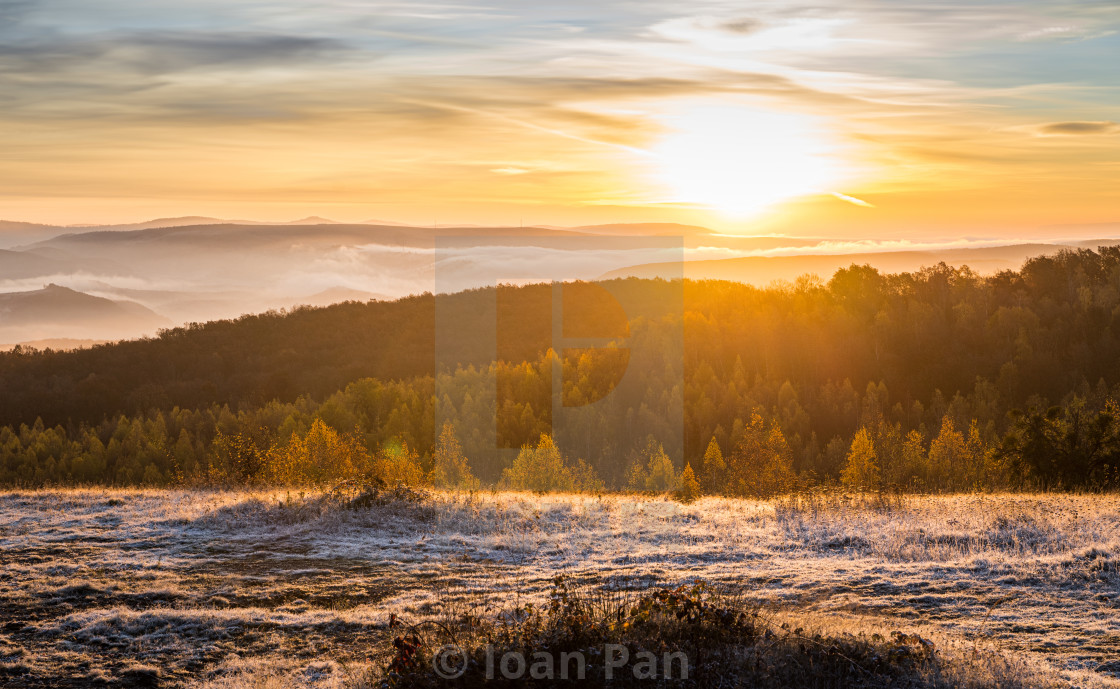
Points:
402	109
1080	128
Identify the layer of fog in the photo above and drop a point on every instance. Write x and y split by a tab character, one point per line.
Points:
207	272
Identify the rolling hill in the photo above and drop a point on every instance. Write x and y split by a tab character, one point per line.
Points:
65	313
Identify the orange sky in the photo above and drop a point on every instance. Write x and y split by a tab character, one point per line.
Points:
856	120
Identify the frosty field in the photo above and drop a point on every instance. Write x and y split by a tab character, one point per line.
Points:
230	589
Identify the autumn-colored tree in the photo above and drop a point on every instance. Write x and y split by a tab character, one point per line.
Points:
320	457
235	458
540	469
761	464
950	461
397	465
861	467
450	468
690	487
653	471
584	478
912	468
714	470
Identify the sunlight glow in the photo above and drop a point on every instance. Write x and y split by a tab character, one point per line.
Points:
740	161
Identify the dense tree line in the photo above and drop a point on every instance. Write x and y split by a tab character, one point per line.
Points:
280	355
939	380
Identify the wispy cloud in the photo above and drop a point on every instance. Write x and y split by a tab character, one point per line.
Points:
839	248
852	200
1079	128
381	109
158	52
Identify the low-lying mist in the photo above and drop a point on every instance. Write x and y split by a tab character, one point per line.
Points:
76	285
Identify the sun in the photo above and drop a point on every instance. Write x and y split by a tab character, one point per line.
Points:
741	161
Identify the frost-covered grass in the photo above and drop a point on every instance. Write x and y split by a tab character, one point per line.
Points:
279	589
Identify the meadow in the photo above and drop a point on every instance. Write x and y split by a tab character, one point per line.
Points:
277	588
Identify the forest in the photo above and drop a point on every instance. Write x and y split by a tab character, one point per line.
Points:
938	380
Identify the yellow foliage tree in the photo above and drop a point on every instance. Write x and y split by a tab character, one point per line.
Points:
543	468
949	457
861	469
397	465
540	469
322	456
690	487
762	463
912	465
714	471
450	468
654	471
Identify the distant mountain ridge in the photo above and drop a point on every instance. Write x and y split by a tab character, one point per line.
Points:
61	312
15	265
203	220
18	233
228	233
14	233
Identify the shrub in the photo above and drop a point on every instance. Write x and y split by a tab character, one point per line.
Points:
723	640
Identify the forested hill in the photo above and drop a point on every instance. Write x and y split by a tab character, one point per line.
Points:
922	372
274	355
1043	331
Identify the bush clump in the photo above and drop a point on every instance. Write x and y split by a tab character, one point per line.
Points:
691	635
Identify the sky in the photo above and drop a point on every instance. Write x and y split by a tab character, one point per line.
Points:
850	120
